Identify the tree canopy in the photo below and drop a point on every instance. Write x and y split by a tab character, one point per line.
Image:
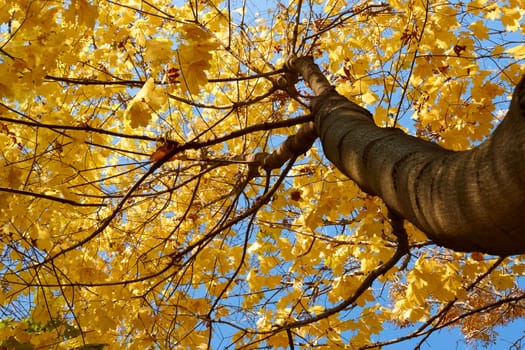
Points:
163	187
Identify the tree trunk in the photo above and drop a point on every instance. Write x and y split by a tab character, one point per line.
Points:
469	201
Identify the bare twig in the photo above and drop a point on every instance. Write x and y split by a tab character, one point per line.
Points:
51	198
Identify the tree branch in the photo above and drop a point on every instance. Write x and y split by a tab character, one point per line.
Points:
402	249
467	201
51	198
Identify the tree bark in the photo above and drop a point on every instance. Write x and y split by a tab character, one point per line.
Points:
470	201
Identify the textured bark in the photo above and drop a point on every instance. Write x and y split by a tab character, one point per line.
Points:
294	145
468	201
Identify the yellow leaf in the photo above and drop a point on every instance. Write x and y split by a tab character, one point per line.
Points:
4	12
476	5
511	18
138	114
194	57
479	30
415	314
14	177
82	12
503	281
221	311
497	50
492	11
517	51
105	322
40	313
369	98
198	36
193	76
316	309
158	50
148	100
193	63
267	263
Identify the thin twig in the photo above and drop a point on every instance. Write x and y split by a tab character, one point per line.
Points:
51	198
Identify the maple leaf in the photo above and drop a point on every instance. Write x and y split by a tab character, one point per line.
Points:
147	101
480	30
158	50
14	177
518	52
511	18
194	57
82	12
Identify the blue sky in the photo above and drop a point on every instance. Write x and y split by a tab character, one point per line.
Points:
452	339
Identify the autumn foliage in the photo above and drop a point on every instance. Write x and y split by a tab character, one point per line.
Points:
147	200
